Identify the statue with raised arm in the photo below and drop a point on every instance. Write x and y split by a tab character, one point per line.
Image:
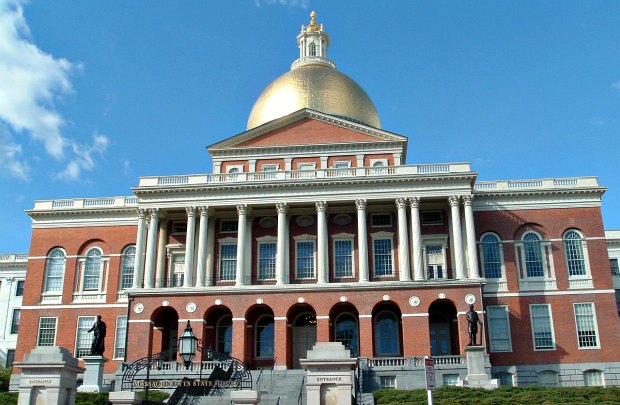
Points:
98	345
472	320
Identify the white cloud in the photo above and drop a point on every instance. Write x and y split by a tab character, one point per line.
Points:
83	159
289	3
10	164
126	167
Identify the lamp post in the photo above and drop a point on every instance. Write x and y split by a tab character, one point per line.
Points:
188	343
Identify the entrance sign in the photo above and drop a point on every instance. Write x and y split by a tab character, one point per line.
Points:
429	366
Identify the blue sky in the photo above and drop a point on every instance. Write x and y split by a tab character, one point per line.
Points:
95	94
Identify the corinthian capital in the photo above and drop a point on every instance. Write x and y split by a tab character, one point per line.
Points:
191	211
282	207
321	206
361	204
141	213
454	200
414	202
242	209
401	203
154	212
468	199
204	210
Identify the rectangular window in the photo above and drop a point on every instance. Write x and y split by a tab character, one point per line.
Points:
119	338
614	267
382	251
47	331
499	328
345	164
15	321
229	225
618	301
228	262
83	339
381	220
432	218
306	166
388	381
450	380
269	167
10	358
305	259
343	258
587	335
179	227
542	327
267	261
19	291
178	270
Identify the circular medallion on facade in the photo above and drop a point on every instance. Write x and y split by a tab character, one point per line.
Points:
268	222
414	301
342	219
165	303
260	301
138	308
343	299
218	302
386	297
304	221
470	299
442	296
191	307
301	300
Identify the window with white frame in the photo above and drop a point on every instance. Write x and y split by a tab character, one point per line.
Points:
229	225
234	169
491	255
269	167
15	320
593	378
585	320
82	337
383	259
615	269
304	259
534	265
387	381
228	261
312	49
127	265
435	266
505	378
120	336
306	166
178	270
47	331
450	380
381	220
378	162
548	378
343	258
93	269
54	271
574	249
342	164
19	290
542	327
499	328
267	260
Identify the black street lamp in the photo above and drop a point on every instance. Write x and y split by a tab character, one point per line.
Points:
188	342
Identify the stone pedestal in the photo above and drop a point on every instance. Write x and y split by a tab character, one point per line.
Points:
477	376
244	397
125	398
93	377
49	376
329	379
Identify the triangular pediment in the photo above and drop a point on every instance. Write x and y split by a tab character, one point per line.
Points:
307	127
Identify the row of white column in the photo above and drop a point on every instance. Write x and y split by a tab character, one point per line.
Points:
147	262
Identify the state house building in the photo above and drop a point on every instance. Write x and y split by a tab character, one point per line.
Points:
313	227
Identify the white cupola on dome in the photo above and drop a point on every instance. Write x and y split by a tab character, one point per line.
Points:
313	43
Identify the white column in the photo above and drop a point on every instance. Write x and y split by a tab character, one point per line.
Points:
139	260
362	240
288	164
457	237
323	160
403	240
470	229
281	277
190	236
251	165
151	249
202	247
416	238
241	239
161	254
322	258
210	252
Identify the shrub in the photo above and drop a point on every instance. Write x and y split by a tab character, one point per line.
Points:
5	377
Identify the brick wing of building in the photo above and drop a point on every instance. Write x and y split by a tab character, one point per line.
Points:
312	227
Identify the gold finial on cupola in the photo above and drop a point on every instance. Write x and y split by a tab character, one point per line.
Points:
313	26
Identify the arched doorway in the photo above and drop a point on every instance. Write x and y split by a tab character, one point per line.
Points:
344	323
443	328
260	337
218	330
302	319
165	332
387	330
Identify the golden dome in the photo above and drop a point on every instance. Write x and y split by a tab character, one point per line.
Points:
314	83
318	87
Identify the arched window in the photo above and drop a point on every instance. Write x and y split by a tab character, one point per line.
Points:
548	379
593	378
378	163
491	256
233	170
312	49
533	257
224	334
386	334
54	271
573	247
92	270
127	265
346	332
264	337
